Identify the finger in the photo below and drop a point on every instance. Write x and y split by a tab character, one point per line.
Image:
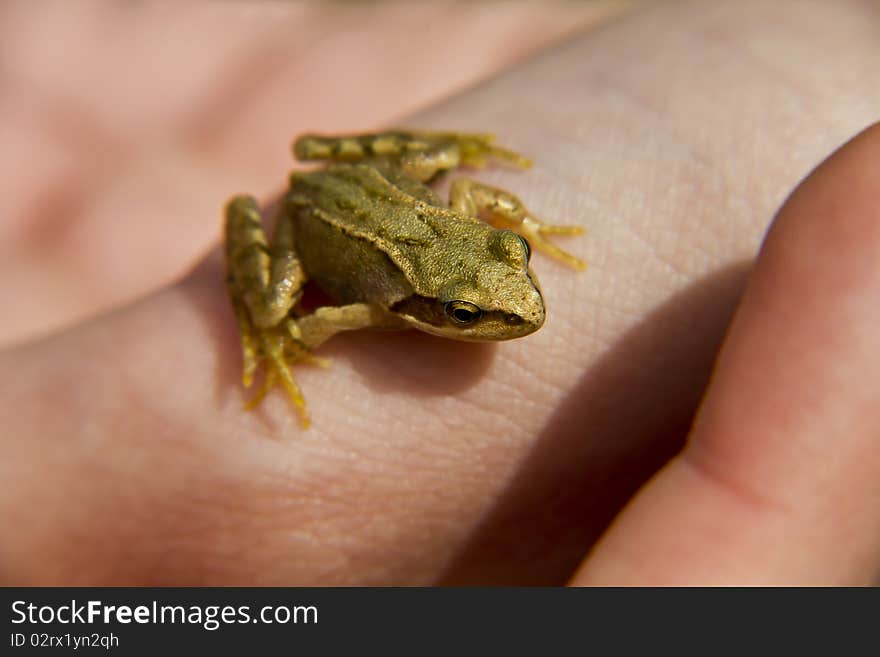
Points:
780	483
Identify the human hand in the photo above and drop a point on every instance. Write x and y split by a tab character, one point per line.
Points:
128	458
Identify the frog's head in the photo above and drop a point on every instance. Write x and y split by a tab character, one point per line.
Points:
493	297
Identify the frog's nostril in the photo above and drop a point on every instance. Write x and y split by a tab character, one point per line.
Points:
513	319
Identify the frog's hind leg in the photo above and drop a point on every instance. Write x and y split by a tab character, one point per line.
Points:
267	279
249	344
504	210
265	282
420	154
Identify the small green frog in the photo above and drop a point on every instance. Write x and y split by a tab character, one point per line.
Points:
383	245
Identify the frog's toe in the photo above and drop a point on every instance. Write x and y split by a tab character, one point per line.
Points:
251	363
269	382
477	149
275	375
552	229
535	230
277	370
284	374
317	361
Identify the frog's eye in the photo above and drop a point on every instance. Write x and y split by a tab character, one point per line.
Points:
511	247
462	312
526	247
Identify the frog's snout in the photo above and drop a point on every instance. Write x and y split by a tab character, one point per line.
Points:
517	327
526	320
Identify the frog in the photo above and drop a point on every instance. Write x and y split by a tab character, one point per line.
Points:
367	228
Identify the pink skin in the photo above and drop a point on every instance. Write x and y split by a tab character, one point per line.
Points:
673	135
782	468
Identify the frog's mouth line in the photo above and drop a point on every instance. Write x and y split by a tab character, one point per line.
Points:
421	309
428	315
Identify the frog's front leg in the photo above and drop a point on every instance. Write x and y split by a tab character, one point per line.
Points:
504	210
319	326
303	334
265	282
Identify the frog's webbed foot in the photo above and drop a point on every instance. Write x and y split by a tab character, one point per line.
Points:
475	150
420	154
504	210
294	340
275	353
276	349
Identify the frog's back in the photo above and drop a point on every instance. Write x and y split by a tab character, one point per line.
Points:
351	217
361	198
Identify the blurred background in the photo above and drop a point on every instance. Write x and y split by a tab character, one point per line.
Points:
126	125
